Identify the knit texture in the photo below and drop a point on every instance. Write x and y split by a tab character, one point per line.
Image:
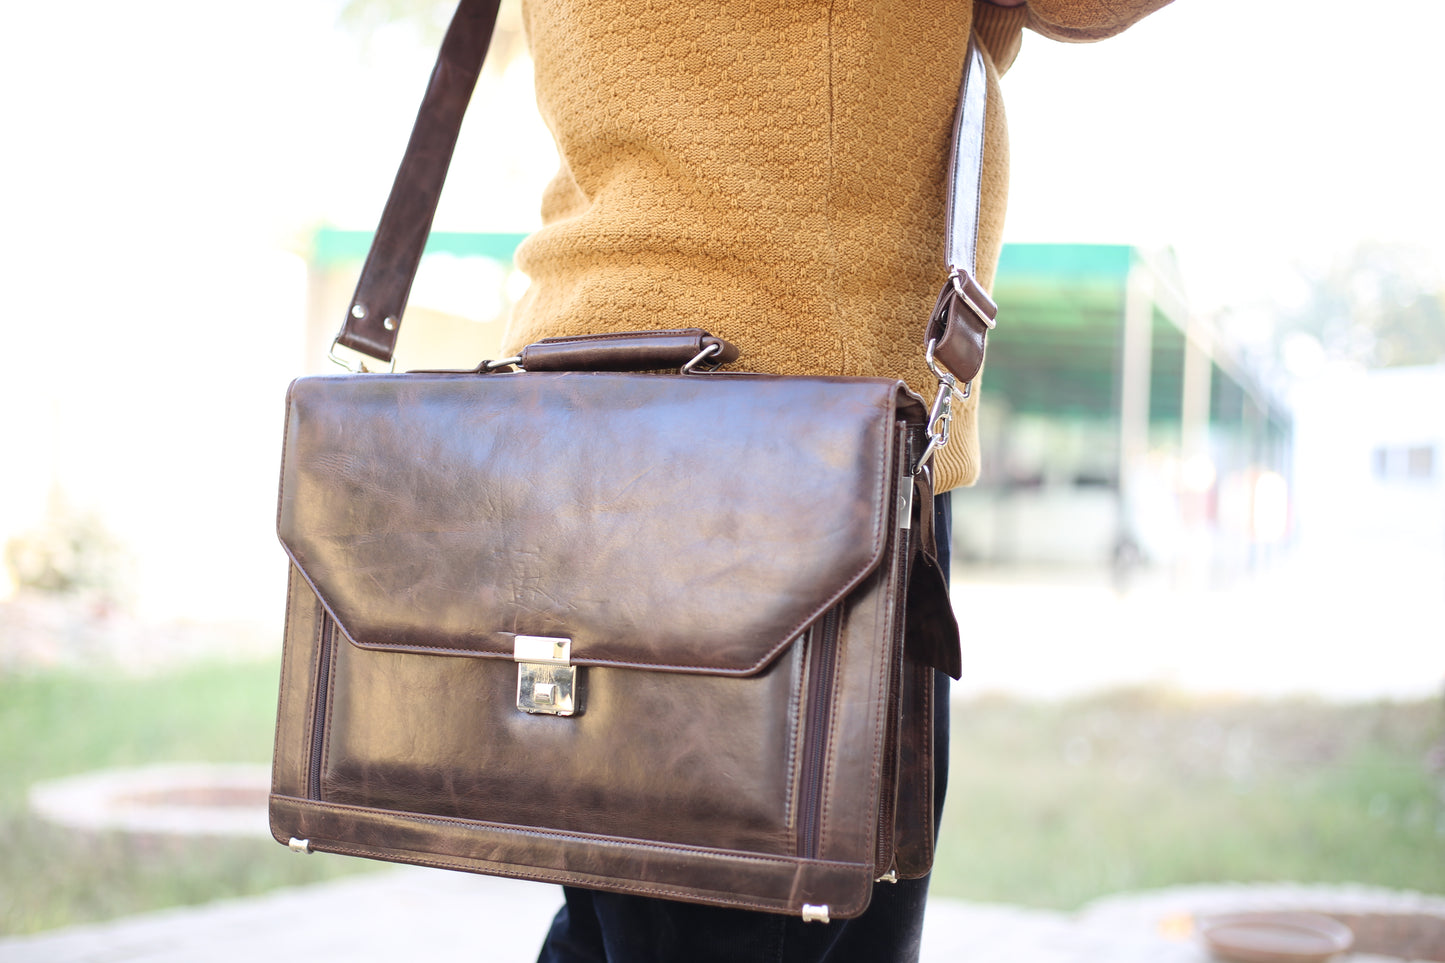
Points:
770	170
1084	20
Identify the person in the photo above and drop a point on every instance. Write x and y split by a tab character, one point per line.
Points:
772	171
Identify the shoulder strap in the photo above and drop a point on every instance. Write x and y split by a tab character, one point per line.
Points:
965	174
956	331
374	317
965	313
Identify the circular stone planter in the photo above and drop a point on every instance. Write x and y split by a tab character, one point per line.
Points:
1275	937
179	800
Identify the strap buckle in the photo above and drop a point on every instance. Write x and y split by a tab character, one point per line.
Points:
972	294
940	417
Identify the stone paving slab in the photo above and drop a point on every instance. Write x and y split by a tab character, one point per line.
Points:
406	914
415	914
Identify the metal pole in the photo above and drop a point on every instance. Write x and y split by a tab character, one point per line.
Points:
1134	375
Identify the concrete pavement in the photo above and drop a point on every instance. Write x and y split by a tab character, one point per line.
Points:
415	914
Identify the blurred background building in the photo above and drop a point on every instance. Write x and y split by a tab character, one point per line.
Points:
1123	429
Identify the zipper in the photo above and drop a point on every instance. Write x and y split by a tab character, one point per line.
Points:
820	697
318	719
883	855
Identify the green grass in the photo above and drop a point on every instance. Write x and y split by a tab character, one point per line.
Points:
1054	805
56	725
1050	805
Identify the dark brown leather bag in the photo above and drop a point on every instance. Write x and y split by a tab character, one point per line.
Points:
637	632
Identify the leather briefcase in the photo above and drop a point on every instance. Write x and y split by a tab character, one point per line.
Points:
632	631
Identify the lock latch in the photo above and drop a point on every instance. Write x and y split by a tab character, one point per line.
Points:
547	682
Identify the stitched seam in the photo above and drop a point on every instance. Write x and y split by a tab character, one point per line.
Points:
983	128
830	772
926	804
330	707
314	677
614	842
796	716
276	739
899	590
590	663
562	876
832	749
880	698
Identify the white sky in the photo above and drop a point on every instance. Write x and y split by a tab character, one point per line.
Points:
1249	134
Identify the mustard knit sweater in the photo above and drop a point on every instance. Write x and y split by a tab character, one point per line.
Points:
771	171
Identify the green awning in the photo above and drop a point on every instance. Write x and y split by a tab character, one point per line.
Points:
331	247
1057	346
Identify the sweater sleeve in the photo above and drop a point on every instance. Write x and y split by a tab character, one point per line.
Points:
1000	30
1085	20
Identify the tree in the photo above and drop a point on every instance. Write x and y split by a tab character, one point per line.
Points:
429	19
1381	306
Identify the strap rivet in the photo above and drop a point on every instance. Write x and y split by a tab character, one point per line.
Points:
389	324
358	311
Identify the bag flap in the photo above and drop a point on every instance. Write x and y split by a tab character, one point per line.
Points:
689	523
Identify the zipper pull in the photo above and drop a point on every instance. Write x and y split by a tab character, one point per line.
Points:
905	501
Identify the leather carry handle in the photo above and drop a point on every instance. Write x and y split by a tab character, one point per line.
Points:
628	351
956	331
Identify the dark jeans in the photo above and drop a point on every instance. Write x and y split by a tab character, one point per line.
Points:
595	927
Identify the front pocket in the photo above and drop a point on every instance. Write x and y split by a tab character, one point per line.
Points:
686	758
